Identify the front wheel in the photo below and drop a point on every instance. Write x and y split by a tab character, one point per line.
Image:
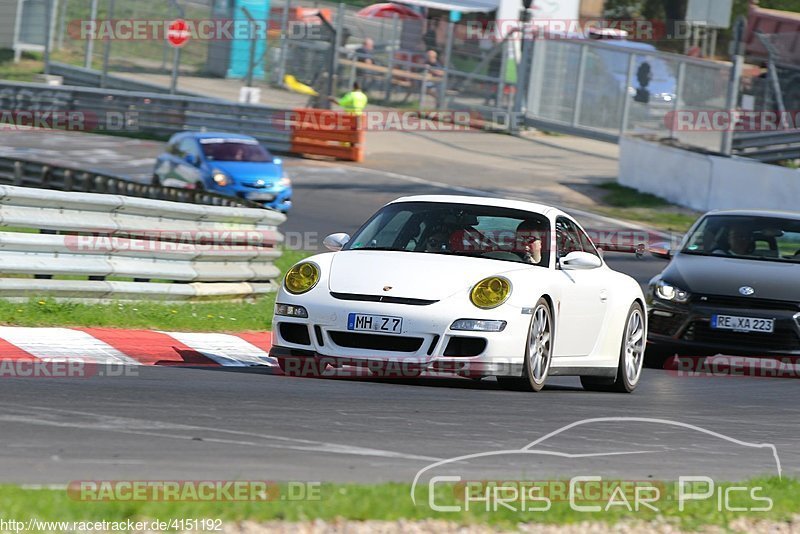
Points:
538	352
631	357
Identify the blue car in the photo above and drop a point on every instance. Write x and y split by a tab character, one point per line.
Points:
230	164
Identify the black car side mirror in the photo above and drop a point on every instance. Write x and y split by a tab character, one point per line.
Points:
661	250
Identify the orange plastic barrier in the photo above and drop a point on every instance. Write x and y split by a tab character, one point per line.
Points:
320	132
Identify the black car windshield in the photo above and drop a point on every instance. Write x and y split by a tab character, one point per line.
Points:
234	150
747	237
457	229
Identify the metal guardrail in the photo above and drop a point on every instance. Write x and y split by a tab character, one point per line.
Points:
28	173
83	77
100	246
768	146
152	113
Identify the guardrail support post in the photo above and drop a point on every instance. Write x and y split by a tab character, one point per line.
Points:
18	173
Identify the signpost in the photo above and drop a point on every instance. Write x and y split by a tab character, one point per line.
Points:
177	37
178	33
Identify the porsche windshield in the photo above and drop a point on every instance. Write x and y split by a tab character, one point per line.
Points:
457	229
747	237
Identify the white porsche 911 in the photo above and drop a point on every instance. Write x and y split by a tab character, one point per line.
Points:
466	285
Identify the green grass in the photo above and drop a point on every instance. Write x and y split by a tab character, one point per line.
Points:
624	202
211	316
389	502
29	66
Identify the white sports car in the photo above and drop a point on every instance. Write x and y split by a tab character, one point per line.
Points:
466	285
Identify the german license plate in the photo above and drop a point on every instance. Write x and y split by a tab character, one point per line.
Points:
374	323
742	324
261	197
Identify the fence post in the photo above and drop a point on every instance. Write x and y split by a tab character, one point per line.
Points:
107	48
48	34
390	60
576	112
89	51
448	52
523	70
284	42
626	102
678	94
501	84
732	98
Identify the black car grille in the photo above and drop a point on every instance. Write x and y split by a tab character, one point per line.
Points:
783	338
376	342
383	298
665	326
745	302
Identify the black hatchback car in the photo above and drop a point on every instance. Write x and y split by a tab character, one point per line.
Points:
733	287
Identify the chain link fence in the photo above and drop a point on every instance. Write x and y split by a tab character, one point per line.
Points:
601	89
608	89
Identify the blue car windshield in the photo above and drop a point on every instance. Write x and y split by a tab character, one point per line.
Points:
234	150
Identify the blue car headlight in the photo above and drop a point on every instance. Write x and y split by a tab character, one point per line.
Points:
285	181
220	178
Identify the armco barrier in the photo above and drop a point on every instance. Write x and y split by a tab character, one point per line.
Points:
27	173
100	246
129	112
327	133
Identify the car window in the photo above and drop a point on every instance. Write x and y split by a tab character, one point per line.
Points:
235	150
187	147
567	237
746	237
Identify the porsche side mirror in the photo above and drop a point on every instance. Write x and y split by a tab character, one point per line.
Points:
661	250
335	242
579	260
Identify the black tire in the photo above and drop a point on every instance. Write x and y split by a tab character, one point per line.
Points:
540	339
623	382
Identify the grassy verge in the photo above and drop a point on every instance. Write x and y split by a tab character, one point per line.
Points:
198	316
24	71
391	502
622	202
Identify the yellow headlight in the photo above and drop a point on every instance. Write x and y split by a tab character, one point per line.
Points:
301	278
490	292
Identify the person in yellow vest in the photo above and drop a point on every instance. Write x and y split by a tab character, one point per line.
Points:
353	101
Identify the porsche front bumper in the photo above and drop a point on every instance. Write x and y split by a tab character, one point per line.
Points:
426	341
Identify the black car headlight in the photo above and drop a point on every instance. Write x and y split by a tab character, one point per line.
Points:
671	293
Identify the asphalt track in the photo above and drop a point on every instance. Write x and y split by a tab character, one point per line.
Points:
169	423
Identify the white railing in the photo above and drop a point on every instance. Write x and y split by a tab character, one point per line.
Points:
100	246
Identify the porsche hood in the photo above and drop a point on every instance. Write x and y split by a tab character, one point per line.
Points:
409	274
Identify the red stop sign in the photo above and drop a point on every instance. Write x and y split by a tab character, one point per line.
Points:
178	33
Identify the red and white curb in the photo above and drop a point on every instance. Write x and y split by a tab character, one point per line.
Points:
135	347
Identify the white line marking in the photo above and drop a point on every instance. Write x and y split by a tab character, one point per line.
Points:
225	349
127	425
64	344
